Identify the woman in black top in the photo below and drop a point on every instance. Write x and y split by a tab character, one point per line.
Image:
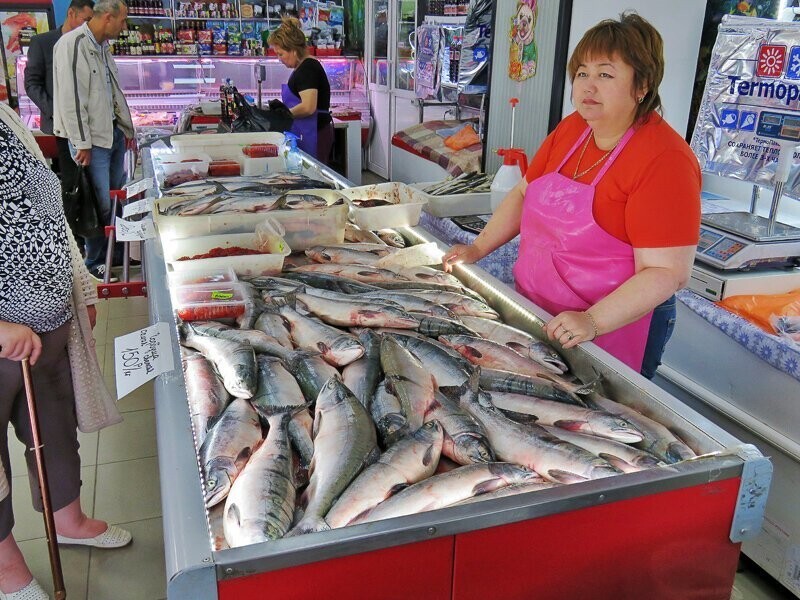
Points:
307	93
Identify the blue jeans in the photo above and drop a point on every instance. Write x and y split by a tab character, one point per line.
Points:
661	326
106	172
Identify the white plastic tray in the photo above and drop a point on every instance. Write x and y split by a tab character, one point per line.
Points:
455	205
229	145
253	265
404	212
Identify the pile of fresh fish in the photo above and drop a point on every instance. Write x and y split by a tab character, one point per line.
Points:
388	392
244	195
466	183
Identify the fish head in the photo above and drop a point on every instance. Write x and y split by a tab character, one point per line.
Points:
220	473
475	450
430	432
347	349
678	451
623	431
512	473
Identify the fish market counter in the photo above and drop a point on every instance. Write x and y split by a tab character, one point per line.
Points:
746	381
667	532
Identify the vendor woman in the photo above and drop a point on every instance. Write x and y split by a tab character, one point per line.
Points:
609	211
307	93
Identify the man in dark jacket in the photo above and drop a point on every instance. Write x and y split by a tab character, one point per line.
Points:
39	80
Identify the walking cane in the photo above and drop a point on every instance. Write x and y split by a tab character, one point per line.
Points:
49	521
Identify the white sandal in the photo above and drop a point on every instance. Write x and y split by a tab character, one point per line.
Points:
113	537
32	591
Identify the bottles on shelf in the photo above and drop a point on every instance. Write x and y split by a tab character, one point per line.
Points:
207	10
155	41
448	8
146	8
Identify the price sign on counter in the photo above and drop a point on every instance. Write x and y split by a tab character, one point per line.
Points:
138	186
137	208
141	356
133	231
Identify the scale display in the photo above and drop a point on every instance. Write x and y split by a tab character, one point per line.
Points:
779	126
707	239
725	249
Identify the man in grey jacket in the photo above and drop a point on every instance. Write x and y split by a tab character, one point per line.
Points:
90	109
39	81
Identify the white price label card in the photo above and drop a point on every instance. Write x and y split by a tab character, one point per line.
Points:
141	356
138	186
132	231
137	208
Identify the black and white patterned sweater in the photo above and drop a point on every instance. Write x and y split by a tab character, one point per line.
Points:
35	264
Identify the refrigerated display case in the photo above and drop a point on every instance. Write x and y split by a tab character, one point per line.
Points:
158	88
19	21
670	532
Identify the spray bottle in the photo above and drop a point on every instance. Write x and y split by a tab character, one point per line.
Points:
515	164
291	153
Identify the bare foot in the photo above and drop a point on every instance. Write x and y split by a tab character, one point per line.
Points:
73	523
14	573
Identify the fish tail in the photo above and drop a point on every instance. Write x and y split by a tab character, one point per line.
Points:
308	524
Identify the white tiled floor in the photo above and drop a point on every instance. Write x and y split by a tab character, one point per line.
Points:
120	485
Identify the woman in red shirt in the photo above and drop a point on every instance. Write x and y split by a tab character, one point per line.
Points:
609	212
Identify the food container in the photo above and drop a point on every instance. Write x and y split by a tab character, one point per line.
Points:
211	107
260	150
209	302
224	168
216	276
247	265
304	228
404	211
229	145
173	164
455	205
255	166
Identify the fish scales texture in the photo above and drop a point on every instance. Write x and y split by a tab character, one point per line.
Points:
337	347
278	390
494	355
260	341
260	504
412	459
506	381
447	489
412	302
359	273
409	379
658	440
566	416
447	370
330	282
387	414
354	313
459	304
465	439
530	445
344	444
227	448
205	393
363	375
518	340
436	326
624	457
311	372
348	256
510	490
274	325
235	362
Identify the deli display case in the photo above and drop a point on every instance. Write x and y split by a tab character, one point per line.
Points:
159	88
668	532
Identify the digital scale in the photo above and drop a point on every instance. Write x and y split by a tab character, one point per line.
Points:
742	252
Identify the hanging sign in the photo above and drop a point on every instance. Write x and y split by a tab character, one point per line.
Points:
426	80
523	53
136	208
141	356
751	99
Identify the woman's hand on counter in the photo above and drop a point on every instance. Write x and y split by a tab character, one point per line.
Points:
460	253
18	342
571	328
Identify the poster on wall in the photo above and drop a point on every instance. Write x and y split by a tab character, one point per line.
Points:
751	99
16	25
523	53
427	61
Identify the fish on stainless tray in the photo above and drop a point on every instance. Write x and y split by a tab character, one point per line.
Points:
260	341
507	381
362	376
391	237
310	370
274	325
234	361
352	312
441	491
409	379
227	448
387	414
260	504
413	303
330	282
344	444
447	366
331	254
412	459
360	273
337	347
459	304
465	441
436	326
624	457
205	392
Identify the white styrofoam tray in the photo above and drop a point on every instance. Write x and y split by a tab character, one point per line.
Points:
228	145
455	205
252	265
405	210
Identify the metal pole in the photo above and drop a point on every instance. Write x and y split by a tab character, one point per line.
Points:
773	210
754	199
49	521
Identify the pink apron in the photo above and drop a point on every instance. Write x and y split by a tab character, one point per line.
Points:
568	262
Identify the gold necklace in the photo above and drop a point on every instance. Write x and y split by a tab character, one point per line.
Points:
577	175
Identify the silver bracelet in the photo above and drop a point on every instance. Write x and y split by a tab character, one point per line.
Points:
593	322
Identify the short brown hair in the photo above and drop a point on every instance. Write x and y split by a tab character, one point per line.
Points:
637	43
289	36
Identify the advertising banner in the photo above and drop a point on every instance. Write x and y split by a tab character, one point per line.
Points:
751	99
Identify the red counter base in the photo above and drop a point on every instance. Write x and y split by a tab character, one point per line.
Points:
668	546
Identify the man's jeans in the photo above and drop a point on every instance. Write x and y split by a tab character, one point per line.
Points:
106	172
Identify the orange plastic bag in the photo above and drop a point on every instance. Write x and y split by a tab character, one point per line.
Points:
759	309
464	138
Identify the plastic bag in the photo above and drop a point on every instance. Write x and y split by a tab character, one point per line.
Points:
82	208
277	117
762	308
787	327
269	236
465	138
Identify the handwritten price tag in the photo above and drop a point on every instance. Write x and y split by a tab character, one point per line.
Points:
137	208
132	231
141	356
138	186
